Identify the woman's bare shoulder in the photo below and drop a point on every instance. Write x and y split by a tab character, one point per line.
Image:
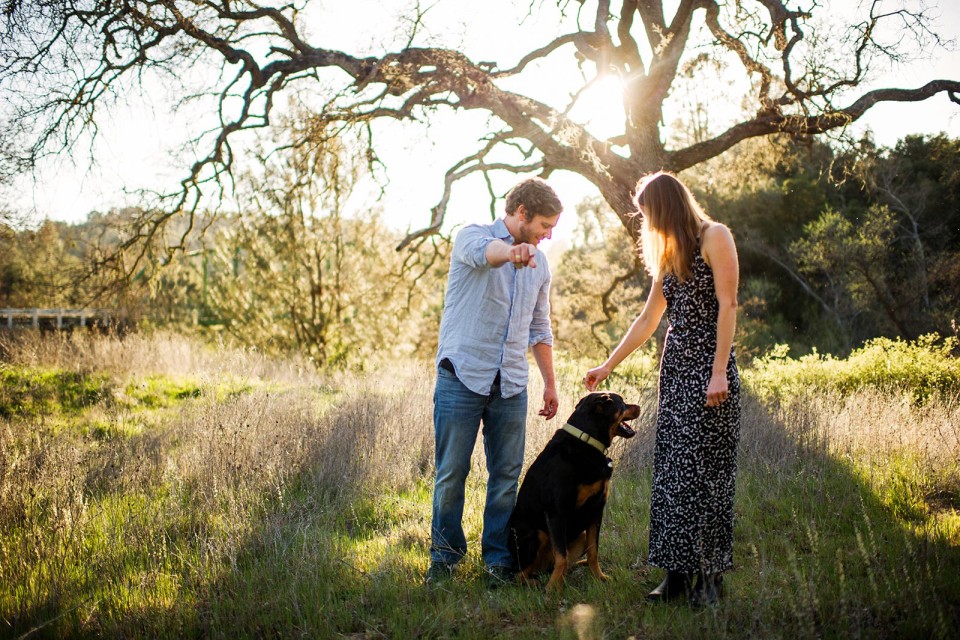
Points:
713	230
717	240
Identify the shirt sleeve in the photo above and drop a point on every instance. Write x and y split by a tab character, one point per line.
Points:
470	246
540	328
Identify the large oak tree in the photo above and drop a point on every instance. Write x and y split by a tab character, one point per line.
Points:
801	72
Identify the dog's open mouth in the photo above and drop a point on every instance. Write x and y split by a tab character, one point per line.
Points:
625	431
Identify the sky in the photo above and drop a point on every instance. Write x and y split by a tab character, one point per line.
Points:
137	144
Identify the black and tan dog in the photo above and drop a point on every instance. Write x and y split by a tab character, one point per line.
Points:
560	504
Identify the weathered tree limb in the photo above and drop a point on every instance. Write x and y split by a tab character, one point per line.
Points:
63	61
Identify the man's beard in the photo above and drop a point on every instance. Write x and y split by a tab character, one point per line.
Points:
524	237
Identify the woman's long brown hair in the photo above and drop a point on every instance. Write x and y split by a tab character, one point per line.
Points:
671	225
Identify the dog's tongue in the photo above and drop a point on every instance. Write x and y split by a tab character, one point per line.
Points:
626	431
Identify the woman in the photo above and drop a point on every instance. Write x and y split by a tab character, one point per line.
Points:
693	263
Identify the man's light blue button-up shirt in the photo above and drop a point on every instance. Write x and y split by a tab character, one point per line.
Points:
491	316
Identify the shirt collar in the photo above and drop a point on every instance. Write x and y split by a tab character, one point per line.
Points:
500	230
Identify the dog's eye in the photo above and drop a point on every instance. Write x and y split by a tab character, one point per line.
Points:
604	406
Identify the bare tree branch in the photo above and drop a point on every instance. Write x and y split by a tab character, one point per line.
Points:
606	305
63	62
766	124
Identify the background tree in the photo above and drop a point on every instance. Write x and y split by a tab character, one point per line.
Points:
919	181
835	249
852	263
888	254
295	273
599	286
838	247
37	267
798	72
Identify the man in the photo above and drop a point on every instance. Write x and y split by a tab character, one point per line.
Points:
497	305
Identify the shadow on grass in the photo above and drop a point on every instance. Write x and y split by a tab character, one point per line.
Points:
818	555
335	544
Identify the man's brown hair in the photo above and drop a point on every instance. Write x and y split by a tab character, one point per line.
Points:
537	197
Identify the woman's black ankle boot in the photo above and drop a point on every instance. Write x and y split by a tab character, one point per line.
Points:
674	585
707	591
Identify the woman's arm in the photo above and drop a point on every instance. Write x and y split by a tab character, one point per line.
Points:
640	331
720	252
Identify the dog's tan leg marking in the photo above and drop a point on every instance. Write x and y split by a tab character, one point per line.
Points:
559	571
576	549
592	536
542	562
587	491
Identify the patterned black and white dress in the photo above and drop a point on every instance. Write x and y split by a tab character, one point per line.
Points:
695	455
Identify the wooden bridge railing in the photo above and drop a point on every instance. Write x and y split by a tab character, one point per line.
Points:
55	318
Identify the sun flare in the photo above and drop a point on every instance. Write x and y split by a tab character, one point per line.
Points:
600	107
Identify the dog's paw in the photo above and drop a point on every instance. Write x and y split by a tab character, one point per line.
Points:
598	573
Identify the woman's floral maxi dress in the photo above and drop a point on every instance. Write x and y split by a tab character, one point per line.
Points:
695	455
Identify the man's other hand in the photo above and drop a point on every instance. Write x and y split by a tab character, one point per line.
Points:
551	403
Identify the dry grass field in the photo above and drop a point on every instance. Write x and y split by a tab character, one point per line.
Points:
157	487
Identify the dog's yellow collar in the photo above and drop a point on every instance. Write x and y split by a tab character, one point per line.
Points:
585	437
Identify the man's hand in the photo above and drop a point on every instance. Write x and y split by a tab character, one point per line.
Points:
519	255
550	403
522	255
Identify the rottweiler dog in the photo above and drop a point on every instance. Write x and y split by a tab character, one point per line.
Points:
560	503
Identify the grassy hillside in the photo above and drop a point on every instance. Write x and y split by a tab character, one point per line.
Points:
158	487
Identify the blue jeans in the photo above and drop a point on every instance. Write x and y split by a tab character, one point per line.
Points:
457	414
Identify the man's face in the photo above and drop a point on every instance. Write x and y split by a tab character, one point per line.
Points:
535	230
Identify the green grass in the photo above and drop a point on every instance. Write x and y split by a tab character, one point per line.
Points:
157	391
191	505
162	391
33	391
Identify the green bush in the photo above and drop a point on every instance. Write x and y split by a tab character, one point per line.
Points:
925	367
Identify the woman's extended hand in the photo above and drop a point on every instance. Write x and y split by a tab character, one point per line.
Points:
717	389
595	376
